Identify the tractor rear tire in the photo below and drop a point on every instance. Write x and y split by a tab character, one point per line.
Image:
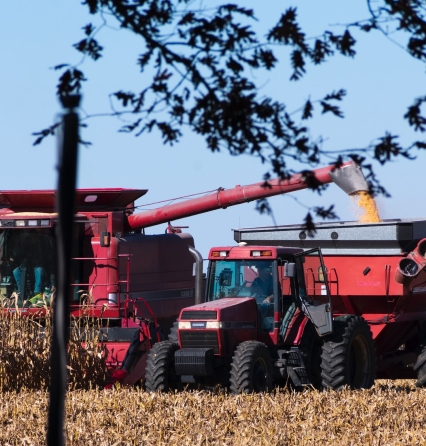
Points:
348	355
310	349
160	367
173	335
251	369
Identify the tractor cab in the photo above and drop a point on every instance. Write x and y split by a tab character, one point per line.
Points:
279	280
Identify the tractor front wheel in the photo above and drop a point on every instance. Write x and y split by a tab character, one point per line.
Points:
160	367
251	369
348	355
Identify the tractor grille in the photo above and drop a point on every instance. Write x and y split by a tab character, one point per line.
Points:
199	339
200	315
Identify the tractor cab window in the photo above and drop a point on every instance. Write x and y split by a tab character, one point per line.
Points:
244	278
27	262
240	278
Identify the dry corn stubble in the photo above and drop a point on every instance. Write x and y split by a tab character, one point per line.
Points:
389	413
25	351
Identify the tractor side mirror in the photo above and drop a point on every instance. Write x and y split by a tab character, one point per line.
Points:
105	239
289	269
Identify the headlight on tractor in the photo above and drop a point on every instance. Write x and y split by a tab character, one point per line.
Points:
184	325
213	324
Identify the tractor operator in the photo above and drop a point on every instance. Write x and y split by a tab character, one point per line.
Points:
263	284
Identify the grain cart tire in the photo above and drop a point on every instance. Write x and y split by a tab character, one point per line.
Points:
251	368
173	335
348	355
420	368
310	349
420	365
160	367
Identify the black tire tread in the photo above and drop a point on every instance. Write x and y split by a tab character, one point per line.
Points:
160	359
420	365
334	371
241	380
310	349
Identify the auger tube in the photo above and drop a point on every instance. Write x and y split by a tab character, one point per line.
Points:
349	177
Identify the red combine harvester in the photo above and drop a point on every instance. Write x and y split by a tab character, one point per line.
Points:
333	309
130	281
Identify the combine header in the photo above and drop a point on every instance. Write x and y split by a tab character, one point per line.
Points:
132	282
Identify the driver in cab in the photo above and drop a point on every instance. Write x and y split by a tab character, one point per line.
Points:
263	284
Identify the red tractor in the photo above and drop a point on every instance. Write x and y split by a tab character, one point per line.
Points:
253	327
130	281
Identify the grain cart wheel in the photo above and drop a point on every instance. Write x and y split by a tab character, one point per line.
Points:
251	369
310	349
160	367
348	355
173	335
420	366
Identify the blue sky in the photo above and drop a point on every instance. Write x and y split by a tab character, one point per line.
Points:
381	81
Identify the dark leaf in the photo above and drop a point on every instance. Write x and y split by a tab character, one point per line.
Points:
88	29
268	59
263	207
312	181
298	64
309	225
92	4
125	98
326	107
338	96
90	47
326	214
307	110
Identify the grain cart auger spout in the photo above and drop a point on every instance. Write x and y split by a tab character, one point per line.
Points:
348	177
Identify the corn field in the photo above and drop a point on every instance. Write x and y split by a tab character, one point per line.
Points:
392	412
25	350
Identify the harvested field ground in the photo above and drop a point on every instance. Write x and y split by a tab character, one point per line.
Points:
392	412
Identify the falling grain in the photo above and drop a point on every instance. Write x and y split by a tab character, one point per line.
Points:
367	204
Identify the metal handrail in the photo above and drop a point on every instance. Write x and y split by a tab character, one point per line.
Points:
115	259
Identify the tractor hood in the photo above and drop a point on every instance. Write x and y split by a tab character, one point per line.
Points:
228	309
